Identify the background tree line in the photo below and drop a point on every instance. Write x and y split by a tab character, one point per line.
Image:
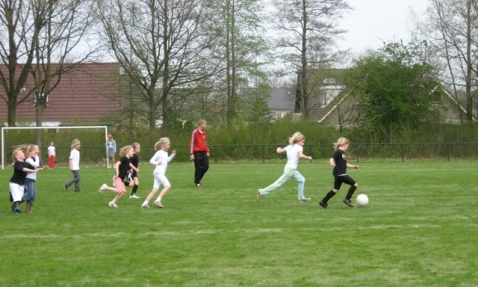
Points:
186	59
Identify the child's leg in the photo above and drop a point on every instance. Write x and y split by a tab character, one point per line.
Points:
163	192
117	197
288	172
135	186
76	174
300	188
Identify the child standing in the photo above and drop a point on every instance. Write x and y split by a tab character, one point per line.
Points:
33	159
74	163
51	155
339	162
134	174
111	147
17	181
160	160
294	153
122	168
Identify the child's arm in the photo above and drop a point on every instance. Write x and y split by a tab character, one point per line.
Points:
280	150
302	155
352	166
332	162
173	154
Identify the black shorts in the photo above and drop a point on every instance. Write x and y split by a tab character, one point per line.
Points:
343	179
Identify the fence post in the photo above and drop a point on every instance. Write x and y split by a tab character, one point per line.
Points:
401	150
358	151
448	151
263	153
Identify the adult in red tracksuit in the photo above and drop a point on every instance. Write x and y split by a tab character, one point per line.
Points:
199	152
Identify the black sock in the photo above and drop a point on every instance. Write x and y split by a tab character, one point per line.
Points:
329	195
135	188
351	192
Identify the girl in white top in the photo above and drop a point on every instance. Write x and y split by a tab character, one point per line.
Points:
74	162
30	181
294	152
160	160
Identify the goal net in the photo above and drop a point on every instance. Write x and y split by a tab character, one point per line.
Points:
89	142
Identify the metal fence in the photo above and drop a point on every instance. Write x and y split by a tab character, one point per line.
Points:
267	152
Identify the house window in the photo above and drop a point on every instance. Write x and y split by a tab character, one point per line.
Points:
323	98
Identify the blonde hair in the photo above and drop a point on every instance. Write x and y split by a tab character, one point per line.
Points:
29	149
296	137
135	145
22	148
160	143
124	150
341	142
200	121
74	143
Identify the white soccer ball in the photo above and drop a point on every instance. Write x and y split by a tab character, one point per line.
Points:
362	200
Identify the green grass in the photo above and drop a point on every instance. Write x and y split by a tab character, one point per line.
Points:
420	228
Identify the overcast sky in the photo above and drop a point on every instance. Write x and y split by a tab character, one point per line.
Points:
373	22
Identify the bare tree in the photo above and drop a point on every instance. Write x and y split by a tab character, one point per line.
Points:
163	48
451	30
308	30
241	42
40	41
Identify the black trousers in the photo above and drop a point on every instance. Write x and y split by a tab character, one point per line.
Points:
201	164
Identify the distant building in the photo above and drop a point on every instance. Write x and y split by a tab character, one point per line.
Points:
86	94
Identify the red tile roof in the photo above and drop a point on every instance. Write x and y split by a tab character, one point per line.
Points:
86	93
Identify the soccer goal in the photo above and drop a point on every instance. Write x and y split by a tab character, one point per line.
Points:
4	129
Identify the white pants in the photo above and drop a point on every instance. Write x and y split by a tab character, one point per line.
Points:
17	191
160	178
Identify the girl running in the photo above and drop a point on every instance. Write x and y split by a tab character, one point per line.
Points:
160	160
294	152
122	167
339	162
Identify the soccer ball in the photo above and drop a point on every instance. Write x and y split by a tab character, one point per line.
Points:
362	200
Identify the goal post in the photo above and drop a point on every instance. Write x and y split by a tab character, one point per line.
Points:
4	129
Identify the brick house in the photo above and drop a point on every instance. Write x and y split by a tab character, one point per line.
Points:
86	94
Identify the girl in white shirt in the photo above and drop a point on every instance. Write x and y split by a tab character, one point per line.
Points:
74	163
294	153
160	160
30	181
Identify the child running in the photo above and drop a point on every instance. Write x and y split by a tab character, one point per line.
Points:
17	181
33	159
339	162
134	174
294	153
160	160
122	167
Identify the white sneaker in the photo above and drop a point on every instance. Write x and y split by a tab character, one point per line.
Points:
102	187
158	204
133	196
144	206
112	204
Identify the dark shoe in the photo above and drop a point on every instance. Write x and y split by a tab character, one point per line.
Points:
16	211
198	185
323	204
347	202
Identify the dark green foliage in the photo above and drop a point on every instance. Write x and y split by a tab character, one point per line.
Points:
394	87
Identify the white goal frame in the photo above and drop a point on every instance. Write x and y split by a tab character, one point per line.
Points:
51	128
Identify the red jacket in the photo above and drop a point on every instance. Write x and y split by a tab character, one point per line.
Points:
198	142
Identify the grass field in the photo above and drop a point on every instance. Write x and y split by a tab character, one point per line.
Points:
419	229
